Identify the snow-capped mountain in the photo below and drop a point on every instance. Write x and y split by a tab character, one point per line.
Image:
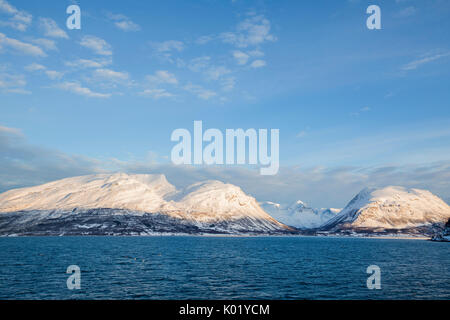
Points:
299	214
132	204
391	209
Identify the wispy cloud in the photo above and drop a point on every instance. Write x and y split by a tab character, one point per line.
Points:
77	88
416	63
165	49
111	75
162	76
156	93
199	91
45	43
204	39
258	64
217	72
167	46
98	45
18	19
88	63
51	29
13	83
241	57
253	31
34	67
21	47
123	22
199	64
52	74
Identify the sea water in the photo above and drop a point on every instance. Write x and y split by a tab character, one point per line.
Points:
223	268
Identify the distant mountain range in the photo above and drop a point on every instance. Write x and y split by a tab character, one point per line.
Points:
122	204
299	214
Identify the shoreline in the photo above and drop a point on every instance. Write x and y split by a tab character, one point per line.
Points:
387	237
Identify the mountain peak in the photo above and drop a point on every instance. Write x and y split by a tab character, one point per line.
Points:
299	214
391	207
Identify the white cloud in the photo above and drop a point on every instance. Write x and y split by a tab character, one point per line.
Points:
165	50
76	88
258	64
6	7
98	45
123	22
158	78
241	57
199	91
19	20
199	64
156	93
162	76
45	43
35	67
416	63
216	73
22	47
111	75
256	53
253	31
53	75
51	29
204	39
13	83
87	63
170	45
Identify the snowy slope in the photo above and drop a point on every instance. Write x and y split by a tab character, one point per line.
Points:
390	208
213	206
299	215
121	191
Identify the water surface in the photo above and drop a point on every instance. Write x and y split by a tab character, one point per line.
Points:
222	268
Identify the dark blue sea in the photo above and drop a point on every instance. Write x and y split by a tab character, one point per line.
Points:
222	268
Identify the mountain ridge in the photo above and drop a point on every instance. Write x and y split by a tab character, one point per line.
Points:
206	207
390	208
147	204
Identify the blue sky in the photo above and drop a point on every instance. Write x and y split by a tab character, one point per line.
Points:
351	103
